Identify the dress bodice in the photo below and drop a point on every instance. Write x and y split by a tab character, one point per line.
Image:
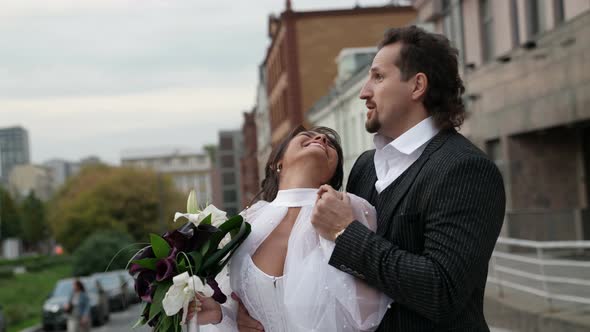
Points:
263	295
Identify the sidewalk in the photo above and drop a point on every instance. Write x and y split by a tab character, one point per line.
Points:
521	312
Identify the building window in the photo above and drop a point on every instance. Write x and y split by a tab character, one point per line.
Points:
227	161
229	196
535	17
229	179
453	25
231	211
487	30
227	143
558	11
514	23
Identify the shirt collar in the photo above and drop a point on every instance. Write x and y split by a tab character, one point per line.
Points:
296	197
411	140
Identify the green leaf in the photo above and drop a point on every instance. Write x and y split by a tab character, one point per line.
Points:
148	263
166	323
205	247
141	321
206	221
231	225
215	262
156	306
192	206
160	247
197	261
182	266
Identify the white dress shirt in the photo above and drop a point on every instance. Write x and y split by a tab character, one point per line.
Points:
393	157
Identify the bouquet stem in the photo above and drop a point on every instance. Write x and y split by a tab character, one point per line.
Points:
192	325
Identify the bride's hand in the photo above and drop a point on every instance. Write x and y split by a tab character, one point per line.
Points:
208	310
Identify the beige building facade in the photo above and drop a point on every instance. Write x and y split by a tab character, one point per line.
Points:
24	179
526	67
189	169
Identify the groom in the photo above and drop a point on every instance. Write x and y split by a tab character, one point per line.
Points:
440	201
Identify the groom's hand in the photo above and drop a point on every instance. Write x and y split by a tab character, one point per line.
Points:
332	213
245	322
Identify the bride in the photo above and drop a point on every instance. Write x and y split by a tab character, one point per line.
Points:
281	271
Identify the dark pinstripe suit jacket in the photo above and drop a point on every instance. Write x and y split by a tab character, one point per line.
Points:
437	226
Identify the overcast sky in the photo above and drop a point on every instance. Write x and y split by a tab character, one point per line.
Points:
95	77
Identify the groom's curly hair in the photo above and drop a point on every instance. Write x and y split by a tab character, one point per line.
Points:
434	56
270	184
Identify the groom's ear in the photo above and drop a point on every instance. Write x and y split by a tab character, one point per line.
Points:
420	86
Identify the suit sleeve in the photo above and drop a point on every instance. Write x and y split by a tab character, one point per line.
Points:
463	218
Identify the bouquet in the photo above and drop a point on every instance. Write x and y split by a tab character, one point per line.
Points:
184	261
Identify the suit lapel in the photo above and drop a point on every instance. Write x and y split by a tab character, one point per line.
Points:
395	194
367	185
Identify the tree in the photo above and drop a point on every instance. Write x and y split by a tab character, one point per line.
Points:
34	225
9	217
212	152
121	199
103	251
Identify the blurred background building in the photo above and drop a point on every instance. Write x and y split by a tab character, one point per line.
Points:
229	154
14	150
527	74
190	169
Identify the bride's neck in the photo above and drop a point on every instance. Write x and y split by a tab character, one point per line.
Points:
300	180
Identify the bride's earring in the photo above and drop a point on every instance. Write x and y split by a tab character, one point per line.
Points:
279	167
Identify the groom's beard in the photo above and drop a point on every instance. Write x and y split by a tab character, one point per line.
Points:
373	125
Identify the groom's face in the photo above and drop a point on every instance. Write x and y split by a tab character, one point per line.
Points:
386	95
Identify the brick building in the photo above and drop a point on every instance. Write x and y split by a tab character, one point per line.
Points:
300	61
249	162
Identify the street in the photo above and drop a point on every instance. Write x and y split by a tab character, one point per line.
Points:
123	321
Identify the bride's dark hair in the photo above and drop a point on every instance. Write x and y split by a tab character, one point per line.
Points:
270	184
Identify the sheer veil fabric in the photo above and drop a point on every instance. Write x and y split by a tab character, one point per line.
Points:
312	295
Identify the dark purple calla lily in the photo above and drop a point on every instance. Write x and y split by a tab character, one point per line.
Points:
178	239
144	285
217	293
165	269
202	234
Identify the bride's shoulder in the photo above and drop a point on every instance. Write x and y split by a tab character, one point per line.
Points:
254	208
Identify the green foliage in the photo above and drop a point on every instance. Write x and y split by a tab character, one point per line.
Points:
122	199
11	220
97	251
22	302
31	264
160	247
34	225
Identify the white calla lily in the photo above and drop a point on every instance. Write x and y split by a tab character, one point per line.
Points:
218	216
182	292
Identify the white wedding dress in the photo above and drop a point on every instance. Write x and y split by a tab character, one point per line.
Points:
311	295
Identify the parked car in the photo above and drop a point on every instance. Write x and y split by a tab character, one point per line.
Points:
2	320
130	283
93	285
54	315
114	285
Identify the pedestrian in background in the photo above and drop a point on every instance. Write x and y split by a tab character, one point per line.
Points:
78	309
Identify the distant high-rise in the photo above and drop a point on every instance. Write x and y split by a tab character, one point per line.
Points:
229	152
14	150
